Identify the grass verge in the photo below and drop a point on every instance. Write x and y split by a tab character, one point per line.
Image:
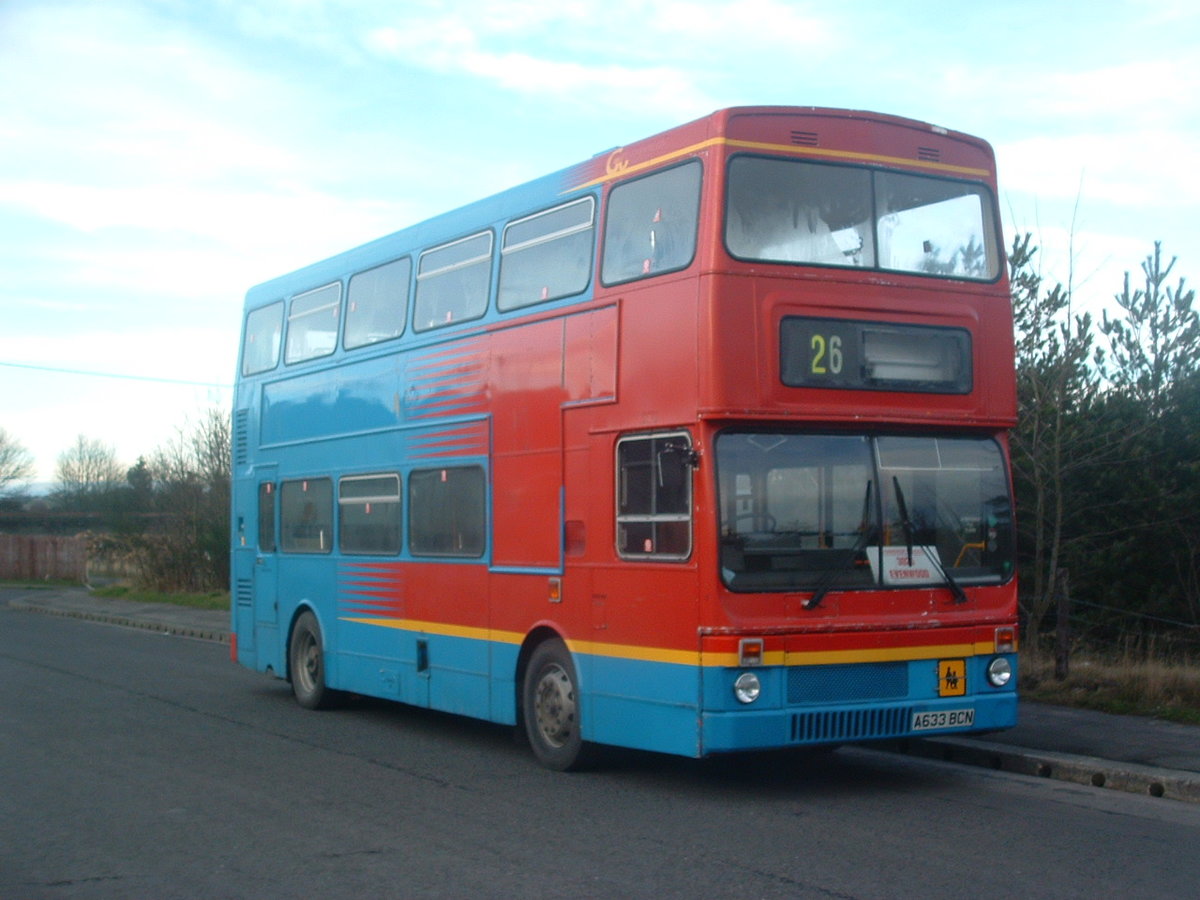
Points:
1130	683
208	600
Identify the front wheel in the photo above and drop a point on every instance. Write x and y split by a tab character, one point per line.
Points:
306	663
550	707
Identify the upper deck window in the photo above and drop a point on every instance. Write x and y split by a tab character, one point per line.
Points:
793	211
313	323
377	304
260	349
651	224
547	256
453	281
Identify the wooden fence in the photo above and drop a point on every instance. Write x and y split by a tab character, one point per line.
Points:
41	558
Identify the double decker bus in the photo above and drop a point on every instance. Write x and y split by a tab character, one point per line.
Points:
696	447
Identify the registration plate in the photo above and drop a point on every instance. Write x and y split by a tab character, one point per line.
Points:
943	718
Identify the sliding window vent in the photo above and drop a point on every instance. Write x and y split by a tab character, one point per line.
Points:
805	139
929	154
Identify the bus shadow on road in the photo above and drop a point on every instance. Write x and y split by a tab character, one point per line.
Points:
431	737
814	772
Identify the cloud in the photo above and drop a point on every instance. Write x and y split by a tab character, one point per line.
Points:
659	59
452	49
1113	167
1139	93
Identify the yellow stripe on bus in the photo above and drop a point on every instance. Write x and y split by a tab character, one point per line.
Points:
692	657
618	167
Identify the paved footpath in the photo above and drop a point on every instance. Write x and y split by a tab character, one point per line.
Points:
1131	753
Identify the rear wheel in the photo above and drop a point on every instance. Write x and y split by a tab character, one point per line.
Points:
306	663
550	707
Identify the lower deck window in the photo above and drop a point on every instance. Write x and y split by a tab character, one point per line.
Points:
266	517
369	514
447	512
654	497
306	515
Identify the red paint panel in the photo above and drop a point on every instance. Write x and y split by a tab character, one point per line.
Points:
590	355
526	400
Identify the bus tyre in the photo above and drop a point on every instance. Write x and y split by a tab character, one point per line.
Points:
550	708
306	663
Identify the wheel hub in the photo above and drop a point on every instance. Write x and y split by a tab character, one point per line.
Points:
554	702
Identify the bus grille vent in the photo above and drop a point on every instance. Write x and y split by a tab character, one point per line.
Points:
850	725
847	684
805	138
243	593
241	437
929	154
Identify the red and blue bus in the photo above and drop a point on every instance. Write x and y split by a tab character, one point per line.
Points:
696	447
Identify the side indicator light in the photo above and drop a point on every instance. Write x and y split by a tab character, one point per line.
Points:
750	652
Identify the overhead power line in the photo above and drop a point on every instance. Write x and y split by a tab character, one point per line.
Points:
59	370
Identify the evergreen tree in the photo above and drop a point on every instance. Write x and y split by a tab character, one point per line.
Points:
1056	390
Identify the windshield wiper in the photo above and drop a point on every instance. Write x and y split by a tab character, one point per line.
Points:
905	521
960	596
846	562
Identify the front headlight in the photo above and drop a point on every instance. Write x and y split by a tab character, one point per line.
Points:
999	672
747	687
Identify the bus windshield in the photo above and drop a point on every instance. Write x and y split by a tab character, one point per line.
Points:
793	211
819	512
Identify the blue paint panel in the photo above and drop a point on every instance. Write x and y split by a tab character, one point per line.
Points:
385	662
762	729
849	709
317	405
458	676
504	686
646	705
643	724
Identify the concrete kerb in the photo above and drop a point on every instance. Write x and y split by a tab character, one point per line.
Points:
156	625
1170	784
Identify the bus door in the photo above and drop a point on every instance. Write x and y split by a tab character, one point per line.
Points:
253	559
244	554
266	570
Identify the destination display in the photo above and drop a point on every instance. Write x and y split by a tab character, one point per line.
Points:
847	353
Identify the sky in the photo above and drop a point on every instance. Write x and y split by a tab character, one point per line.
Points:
159	157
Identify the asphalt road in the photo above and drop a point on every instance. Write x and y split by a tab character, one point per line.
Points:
136	764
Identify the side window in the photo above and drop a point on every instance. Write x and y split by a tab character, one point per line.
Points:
313	323
446	512
377	304
651	224
266	517
654	497
260	349
547	256
453	282
369	514
306	515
